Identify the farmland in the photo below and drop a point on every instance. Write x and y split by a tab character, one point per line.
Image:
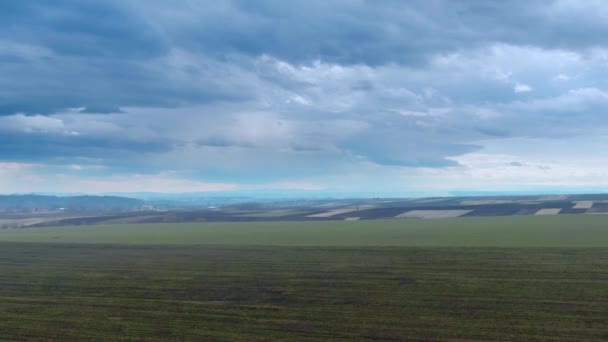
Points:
515	231
323	210
510	278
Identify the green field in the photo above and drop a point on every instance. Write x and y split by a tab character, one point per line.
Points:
508	231
514	278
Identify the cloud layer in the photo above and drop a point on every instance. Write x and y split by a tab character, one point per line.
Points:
330	94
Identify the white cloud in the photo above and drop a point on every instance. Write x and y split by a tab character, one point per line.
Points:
522	88
26	51
32	124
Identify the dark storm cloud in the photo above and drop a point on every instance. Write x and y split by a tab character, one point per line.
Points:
83	28
215	141
379	32
53	147
97	54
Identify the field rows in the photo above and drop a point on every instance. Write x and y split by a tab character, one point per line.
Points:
103	292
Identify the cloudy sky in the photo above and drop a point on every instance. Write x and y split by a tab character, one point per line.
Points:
410	97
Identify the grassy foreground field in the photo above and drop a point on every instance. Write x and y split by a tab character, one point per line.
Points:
510	231
382	280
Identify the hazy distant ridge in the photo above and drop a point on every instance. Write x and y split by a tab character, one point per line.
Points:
68	203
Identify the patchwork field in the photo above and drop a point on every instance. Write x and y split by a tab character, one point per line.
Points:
273	214
352	219
433	214
333	213
327	210
522	278
15	223
583	205
548	211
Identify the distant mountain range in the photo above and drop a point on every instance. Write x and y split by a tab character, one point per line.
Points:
44	203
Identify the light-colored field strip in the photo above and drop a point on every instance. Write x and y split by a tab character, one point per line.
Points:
17	223
482	202
331	204
553	198
548	211
583	205
430	200
352	219
366	206
332	213
275	213
430	214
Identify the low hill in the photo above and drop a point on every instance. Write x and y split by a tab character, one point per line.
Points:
41	203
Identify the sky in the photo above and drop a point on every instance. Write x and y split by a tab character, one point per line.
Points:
409	98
